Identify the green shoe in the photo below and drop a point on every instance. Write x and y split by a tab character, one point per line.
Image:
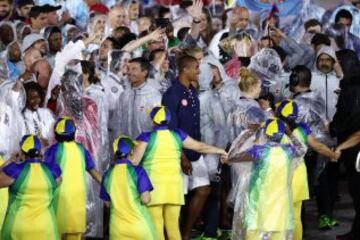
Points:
324	222
226	235
202	237
333	222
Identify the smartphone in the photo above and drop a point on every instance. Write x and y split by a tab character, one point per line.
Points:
162	22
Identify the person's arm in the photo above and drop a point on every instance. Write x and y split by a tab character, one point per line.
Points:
241	157
90	167
95	175
321	148
153	36
5	181
144	185
145	197
338	70
352	141
192	144
138	153
195	12
104	195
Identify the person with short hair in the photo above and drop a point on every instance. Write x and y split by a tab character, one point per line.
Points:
38	18
5	9
23	9
183	103
38	120
351	41
131	112
32	185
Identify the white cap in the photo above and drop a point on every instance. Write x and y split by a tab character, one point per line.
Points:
29	40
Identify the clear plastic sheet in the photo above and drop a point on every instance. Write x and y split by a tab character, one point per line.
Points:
96	93
11	121
312	112
245	113
213	126
266	64
133	109
84	111
206	75
261	210
230	94
70	52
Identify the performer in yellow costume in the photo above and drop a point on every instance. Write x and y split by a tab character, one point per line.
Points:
158	152
70	198
289	112
268	206
30	214
126	189
4	196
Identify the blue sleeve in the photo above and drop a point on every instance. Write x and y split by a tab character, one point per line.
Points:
143	183
255	152
50	154
104	195
144	137
183	135
89	163
305	128
170	101
13	170
54	169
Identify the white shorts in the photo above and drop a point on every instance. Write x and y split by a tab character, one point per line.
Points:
199	177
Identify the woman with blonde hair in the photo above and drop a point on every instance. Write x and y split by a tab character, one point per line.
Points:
247	112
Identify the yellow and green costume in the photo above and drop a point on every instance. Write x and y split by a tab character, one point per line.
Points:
4	196
70	198
30	213
161	161
122	185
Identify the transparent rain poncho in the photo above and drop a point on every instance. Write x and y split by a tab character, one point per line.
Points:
11	123
245	113
84	111
312	112
262	197
116	60
206	75
266	65
213	126
131	115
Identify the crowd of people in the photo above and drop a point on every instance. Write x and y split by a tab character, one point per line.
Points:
175	120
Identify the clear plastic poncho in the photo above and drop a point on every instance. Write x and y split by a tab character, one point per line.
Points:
245	113
75	104
11	121
213	126
131	116
312	112
266	65
261	195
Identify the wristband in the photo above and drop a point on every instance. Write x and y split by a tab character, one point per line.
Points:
196	22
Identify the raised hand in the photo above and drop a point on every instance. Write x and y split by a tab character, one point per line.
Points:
195	10
157	34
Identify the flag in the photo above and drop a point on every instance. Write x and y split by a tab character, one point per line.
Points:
273	11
